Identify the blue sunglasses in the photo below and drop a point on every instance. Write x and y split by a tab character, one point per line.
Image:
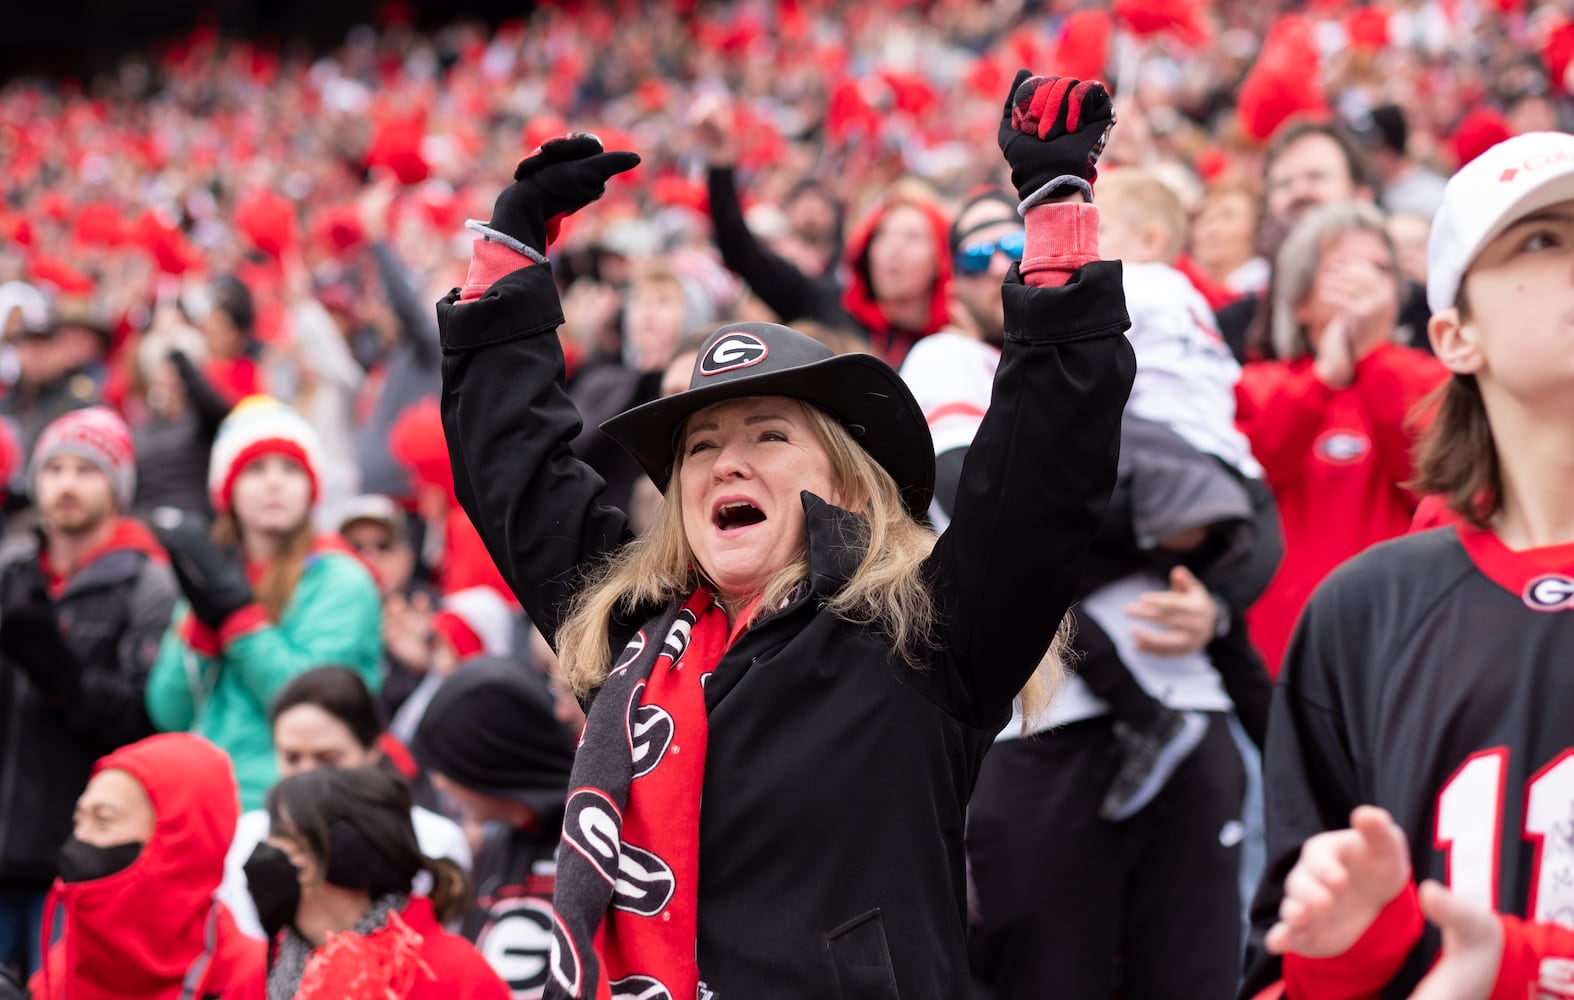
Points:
974	258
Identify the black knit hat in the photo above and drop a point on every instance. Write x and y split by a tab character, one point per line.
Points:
490	728
740	360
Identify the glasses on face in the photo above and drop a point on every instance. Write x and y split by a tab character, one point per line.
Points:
974	258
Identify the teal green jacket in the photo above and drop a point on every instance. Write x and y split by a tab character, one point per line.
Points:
219	685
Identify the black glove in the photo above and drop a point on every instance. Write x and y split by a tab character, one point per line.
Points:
563	176
1052	132
30	637
212	576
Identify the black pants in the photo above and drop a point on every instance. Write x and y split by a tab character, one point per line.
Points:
1065	898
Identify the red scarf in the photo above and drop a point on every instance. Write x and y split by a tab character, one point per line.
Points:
637	779
663	810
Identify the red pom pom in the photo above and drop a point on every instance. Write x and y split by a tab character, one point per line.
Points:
1478	132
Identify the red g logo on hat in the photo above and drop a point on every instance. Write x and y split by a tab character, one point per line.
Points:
733	351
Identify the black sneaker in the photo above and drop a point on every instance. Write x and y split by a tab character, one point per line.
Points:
1147	759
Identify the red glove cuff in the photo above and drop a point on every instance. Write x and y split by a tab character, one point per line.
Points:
1060	238
199	638
488	262
243	623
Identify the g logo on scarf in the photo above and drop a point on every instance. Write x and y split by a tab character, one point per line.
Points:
640	988
518	945
592	825
566	967
677	640
645	883
630	653
650	729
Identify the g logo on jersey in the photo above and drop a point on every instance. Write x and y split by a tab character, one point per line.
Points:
592	826
645	883
566	966
518	945
733	351
650	730
1549	592
1342	447
640	988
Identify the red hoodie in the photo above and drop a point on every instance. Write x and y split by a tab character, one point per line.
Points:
140	933
889	341
1336	460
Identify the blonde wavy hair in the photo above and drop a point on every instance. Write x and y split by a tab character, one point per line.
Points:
886	592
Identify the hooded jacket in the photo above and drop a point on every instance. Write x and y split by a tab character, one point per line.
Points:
793	295
153	931
113	609
888	340
817	734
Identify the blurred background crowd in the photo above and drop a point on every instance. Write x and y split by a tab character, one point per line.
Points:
218	216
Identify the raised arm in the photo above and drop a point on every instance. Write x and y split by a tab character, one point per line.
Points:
777	282
1039	472
506	414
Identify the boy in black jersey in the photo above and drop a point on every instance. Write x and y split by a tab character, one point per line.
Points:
1431	679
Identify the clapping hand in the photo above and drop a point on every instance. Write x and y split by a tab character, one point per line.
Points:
1343	880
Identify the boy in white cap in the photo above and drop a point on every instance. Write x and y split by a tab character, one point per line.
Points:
1426	698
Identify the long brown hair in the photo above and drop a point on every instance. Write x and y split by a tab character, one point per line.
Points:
1457	455
277	585
886	592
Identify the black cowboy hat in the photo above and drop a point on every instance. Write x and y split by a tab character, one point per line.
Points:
763	359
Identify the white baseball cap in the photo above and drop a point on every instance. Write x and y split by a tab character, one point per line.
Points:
1511	180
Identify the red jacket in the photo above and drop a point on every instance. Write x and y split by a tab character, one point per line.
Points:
1336	460
137	934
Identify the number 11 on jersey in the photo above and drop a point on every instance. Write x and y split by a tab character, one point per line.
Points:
1470	825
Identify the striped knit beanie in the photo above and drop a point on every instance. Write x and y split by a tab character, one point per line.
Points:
257	427
97	435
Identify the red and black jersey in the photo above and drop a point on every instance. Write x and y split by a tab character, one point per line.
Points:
1433	676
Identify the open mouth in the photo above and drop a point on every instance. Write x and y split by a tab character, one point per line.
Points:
737	514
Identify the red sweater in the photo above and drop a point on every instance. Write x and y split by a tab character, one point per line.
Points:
1335	459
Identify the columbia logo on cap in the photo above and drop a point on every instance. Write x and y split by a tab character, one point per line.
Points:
735	350
1537	162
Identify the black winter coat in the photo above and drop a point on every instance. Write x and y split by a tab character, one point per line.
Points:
837	778
114	611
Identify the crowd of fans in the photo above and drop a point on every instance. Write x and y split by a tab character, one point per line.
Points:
231	510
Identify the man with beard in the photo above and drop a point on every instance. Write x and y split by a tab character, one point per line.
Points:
82	609
1308	164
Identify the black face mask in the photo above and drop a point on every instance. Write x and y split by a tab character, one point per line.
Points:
80	861
275	886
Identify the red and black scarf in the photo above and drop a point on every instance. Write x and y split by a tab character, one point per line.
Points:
627	901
